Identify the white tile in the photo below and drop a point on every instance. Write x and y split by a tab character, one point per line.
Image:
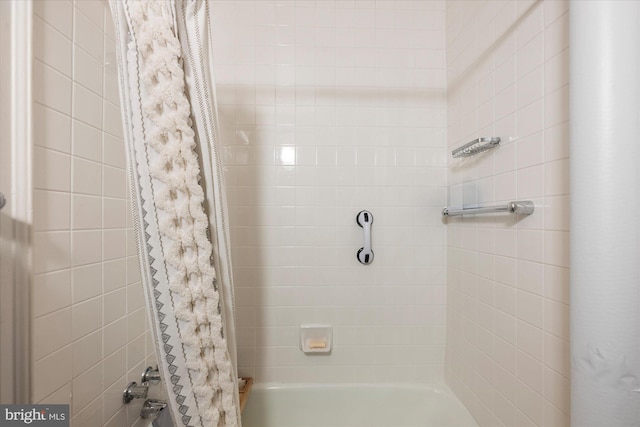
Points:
115	182
530	308
115	305
51	170
51	251
530	87
557	36
87	106
50	211
531	118
87	212
87	352
51	292
87	177
52	371
51	88
87	141
556	250
114	245
531	182
557	178
114	366
531	340
114	213
52	129
57	13
114	152
51	47
87	317
112	119
89	413
556	106
87	70
87	35
86	247
87	386
113	336
557	213
530	403
92	9
51	332
87	282
531	245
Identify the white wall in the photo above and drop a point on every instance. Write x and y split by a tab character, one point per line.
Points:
508	281
90	334
328	108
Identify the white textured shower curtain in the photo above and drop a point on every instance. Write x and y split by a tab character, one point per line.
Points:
179	209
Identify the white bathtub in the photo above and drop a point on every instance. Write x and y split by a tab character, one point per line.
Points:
354	405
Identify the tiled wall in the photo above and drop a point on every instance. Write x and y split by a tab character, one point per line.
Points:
328	108
89	323
508	287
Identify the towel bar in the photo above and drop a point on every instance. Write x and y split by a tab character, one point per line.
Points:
522	207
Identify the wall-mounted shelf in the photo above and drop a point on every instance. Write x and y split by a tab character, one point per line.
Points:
476	146
522	207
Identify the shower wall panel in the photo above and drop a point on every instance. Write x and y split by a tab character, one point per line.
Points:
508	282
90	334
328	108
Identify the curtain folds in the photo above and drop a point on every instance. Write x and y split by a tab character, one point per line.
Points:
179	208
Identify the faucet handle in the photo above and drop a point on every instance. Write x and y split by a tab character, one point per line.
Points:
134	391
150	375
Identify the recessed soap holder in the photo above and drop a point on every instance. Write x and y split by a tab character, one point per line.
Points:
316	338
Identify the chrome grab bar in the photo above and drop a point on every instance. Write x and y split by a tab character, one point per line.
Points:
522	207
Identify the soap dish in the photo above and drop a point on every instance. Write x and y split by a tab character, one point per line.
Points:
316	338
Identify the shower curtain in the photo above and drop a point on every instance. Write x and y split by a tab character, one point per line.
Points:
178	201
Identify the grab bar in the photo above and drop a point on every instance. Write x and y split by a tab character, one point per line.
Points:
522	207
472	148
